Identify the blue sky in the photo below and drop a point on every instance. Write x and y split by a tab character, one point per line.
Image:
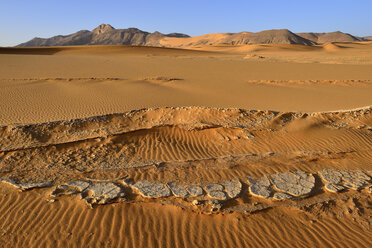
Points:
21	20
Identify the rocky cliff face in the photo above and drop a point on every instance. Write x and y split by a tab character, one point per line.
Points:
322	38
105	34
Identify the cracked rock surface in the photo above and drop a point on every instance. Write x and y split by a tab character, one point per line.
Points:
154	190
102	193
297	183
233	188
178	190
285	186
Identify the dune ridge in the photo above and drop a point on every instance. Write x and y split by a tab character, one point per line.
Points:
181	139
129	146
35	223
50	133
186	146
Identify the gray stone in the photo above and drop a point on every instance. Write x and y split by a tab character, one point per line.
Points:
331	176
152	190
101	193
214	187
282	196
355	179
178	190
233	187
26	186
288	178
70	188
79	185
263	181
334	187
296	184
260	191
218	195
195	190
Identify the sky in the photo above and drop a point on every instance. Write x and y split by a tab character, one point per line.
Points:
22	20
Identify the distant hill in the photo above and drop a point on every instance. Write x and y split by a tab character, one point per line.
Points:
279	36
321	38
105	34
369	38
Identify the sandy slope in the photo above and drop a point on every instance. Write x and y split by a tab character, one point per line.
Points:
87	81
227	139
192	145
34	222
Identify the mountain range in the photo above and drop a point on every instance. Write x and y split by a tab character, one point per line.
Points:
105	34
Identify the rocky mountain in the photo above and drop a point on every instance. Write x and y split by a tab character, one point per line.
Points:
321	38
105	34
276	36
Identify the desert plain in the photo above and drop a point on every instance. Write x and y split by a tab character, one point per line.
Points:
264	145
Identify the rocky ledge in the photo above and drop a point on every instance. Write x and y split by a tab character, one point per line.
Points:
287	186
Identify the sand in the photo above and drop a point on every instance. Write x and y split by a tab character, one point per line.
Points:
128	115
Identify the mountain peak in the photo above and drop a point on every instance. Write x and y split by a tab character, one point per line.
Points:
103	28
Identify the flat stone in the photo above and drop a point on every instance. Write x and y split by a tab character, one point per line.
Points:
288	178
102	193
360	174
260	191
331	176
296	184
195	190
218	195
70	188
355	179
214	187
331	187
263	181
233	187
152	190
355	185
178	190
26	186
79	185
282	196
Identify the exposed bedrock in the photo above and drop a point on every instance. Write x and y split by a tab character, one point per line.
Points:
288	186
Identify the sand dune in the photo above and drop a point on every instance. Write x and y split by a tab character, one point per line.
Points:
142	138
36	222
214	146
202	145
87	81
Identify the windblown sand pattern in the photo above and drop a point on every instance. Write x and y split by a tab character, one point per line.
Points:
222	161
97	148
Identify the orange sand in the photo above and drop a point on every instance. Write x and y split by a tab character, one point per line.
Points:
39	85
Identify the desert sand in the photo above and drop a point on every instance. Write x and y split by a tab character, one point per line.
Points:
210	146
